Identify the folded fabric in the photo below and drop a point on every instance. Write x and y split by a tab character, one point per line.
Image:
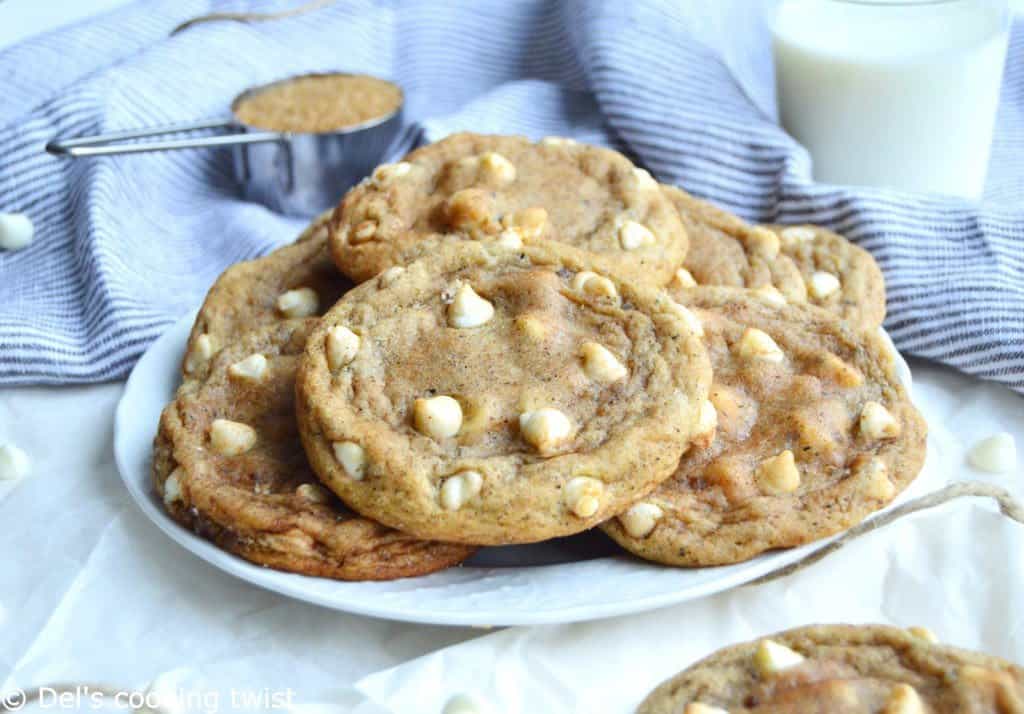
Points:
126	245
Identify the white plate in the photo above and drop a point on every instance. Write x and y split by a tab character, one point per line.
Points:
580	578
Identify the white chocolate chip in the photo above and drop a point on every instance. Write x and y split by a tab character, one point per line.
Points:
772	657
530	222
469	309
707	419
778	475
16	231
172	487
231	438
797	234
364	232
438	417
822	284
594	285
557	141
302	302
458	489
497	167
699	708
386	173
14	463
691	320
771	295
545	428
583	496
997	454
876	481
641	518
923	633
876	422
903	700
352	458
757	344
633	235
763	242
683	279
342	345
312	492
600	364
644	180
389	276
510	239
253	367
201	352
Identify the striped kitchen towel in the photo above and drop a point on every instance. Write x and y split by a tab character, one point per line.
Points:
127	245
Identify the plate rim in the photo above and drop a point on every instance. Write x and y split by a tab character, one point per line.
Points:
291	584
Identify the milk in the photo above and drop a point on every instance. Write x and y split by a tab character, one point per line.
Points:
899	95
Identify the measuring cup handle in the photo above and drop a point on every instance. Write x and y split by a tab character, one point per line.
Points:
111	143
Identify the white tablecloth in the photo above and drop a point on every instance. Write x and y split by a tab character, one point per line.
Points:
92	592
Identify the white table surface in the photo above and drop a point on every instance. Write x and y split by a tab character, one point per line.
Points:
90	591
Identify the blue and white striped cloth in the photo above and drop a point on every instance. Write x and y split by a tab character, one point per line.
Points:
126	245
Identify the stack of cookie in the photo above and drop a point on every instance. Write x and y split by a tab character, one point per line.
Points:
496	341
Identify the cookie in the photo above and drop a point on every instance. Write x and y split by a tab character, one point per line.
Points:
843	669
488	186
813	433
296	281
229	465
804	263
488	395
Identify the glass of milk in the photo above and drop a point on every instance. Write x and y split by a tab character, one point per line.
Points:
894	94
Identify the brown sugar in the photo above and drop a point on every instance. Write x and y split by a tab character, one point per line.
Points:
319	103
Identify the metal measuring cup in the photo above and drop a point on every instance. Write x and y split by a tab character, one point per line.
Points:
296	173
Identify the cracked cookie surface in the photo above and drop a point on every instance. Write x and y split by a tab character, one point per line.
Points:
485	186
804	263
843	669
230	466
813	432
489	395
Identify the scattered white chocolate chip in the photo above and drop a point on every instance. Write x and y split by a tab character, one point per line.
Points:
253	367
797	234
822	284
923	633
683	279
594	285
389	276
341	346
771	657
312	492
386	173
633	235
876	480
201	352
692	321
438	417
497	167
458	489
510	239
301	302
583	496
16	231
996	454
352	458
876	422
557	141
363	232
764	242
707	418
231	438
904	699
545	428
14	463
644	180
641	518
771	295
469	309
757	344
600	364
530	222
172	487
699	708
778	474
